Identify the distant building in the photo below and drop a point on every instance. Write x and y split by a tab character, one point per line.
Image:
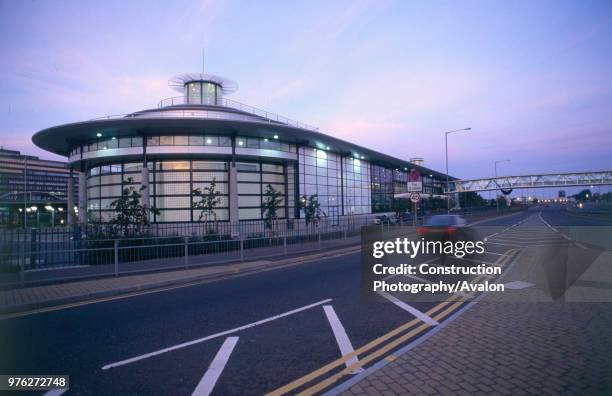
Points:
32	190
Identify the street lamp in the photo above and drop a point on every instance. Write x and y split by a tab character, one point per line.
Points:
496	198
446	150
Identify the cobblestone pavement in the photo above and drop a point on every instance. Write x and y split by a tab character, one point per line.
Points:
507	349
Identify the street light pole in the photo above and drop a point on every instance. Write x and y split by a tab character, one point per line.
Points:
446	151
496	197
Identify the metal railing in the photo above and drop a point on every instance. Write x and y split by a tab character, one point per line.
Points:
104	257
262	115
224	102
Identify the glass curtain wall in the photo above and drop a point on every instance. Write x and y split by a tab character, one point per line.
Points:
357	195
170	187
320	174
253	178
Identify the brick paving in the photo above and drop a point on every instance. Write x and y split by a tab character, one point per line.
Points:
507	349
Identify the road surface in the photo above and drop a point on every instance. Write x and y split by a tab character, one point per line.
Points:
248	335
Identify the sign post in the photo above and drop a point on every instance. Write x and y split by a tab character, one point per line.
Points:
415	198
415	186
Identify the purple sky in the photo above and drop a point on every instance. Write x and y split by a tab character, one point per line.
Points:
533	79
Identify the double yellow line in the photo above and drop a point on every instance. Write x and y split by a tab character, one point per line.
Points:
318	387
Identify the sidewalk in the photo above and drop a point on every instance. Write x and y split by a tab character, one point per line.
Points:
30	298
506	348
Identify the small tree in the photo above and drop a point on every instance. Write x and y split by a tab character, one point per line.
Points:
270	205
312	209
208	201
129	211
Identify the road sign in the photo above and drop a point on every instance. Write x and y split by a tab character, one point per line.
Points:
415	183
415	197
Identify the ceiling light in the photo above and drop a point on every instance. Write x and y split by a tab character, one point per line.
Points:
275	136
98	134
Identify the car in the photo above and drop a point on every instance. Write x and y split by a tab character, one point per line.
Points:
445	227
383	219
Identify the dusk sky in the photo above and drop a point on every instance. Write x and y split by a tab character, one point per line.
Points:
532	78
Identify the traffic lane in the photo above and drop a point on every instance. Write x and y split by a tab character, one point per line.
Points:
124	328
192	311
557	215
506	220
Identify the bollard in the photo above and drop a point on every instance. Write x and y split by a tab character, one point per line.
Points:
116	252
186	252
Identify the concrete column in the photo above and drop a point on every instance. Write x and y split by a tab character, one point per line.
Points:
82	199
144	182
70	201
233	193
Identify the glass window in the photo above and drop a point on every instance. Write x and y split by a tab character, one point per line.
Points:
173	215
272	178
153	141
181	141
247	166
194	91
196	140
166	140
249	188
175	165
125	142
251	177
112	143
211	140
225	141
240	142
212	165
253	143
136	141
276	168
249	214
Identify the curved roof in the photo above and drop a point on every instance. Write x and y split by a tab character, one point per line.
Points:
178	82
61	139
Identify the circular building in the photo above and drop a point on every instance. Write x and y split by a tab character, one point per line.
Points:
189	141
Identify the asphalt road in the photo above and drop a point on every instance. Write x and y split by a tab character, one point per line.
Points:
81	341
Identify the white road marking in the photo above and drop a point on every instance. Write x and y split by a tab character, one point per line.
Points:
208	381
516	285
210	337
341	337
415	312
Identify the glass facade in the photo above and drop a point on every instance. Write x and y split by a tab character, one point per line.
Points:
253	177
202	92
170	186
344	185
356	189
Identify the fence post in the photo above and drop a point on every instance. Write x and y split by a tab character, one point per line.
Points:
319	239
241	248
116	252
285	244
186	252
345	232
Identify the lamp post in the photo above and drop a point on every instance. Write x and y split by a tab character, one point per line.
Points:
446	150
496	197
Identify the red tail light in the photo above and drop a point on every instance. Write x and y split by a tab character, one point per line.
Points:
451	230
421	230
